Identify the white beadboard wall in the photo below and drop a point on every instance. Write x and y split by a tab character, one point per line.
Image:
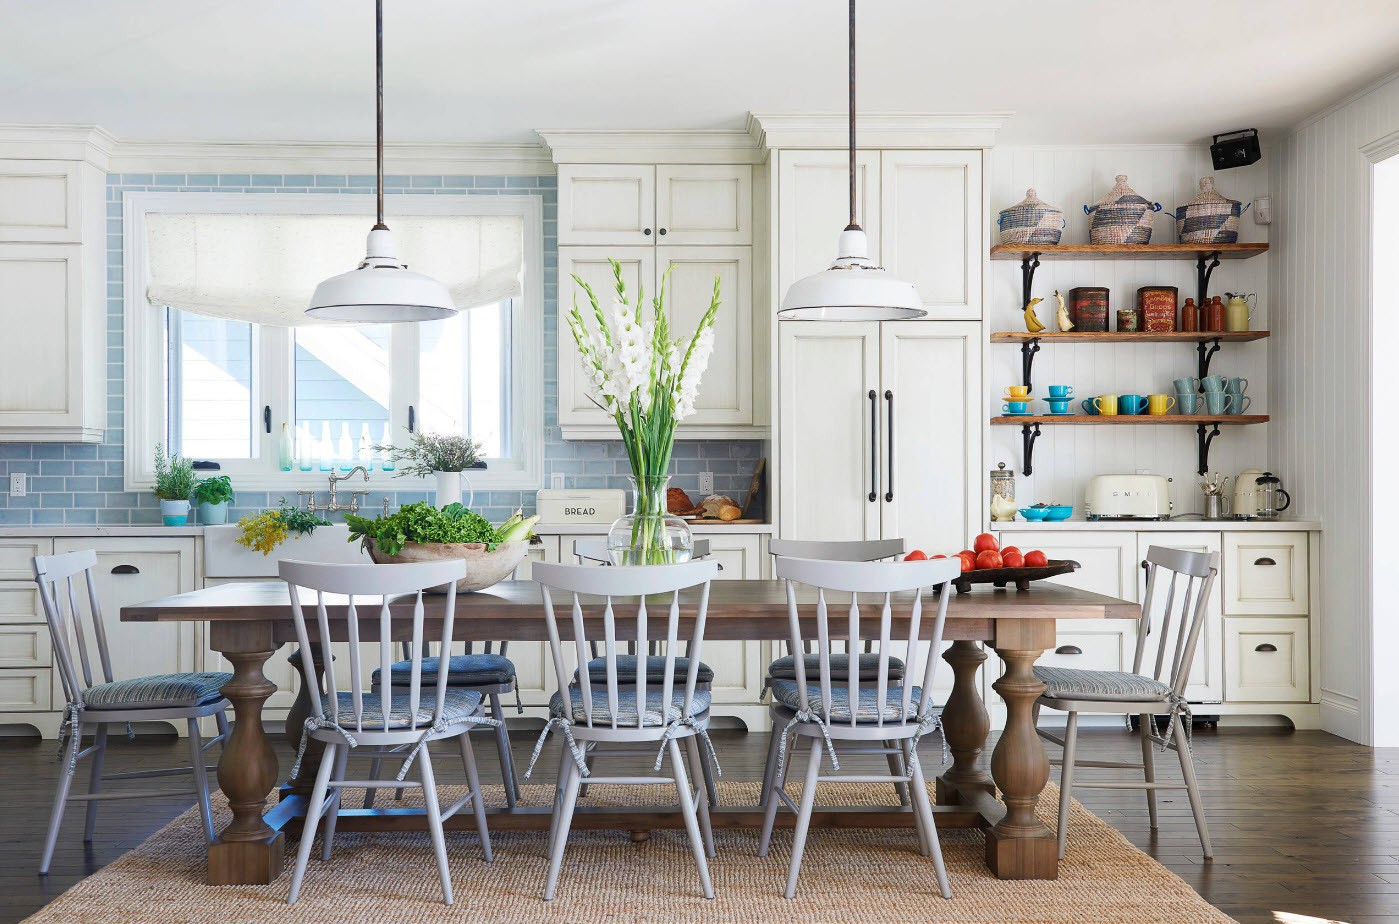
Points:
1070	177
1321	383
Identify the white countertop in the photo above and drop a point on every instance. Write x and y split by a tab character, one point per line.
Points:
1192	525
600	529
128	531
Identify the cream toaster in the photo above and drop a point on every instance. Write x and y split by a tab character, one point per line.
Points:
1128	497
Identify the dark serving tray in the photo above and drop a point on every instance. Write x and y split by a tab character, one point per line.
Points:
1020	577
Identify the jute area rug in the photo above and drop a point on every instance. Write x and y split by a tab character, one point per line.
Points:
848	877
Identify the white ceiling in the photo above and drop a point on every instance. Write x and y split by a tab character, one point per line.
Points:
1073	71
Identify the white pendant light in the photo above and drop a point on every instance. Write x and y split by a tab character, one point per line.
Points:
381	290
854	288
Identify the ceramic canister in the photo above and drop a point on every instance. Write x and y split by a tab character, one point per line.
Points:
1088	308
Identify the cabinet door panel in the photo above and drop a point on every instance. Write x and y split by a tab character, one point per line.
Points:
726	392
41	200
1206	672
704	204
930	227
590	264
1266	573
163	567
813	203
607	204
43	288
829	370
931	375
1268	660
17	557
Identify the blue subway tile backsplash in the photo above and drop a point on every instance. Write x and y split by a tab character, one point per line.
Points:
81	483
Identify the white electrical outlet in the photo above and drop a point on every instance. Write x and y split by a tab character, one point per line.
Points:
556	481
19	486
706	483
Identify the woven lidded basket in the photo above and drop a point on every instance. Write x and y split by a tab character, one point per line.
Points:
1031	221
1209	218
1123	216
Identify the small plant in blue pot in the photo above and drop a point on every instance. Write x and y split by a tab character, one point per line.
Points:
213	495
174	483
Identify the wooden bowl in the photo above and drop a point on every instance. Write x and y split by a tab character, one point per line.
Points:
483	568
1020	577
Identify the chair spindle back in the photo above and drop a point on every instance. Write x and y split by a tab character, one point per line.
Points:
1200	569
59	578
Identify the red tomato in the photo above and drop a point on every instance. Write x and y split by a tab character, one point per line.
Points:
968	561
1036	559
1013	558
989	558
916	555
1010	548
968	552
935	557
986	543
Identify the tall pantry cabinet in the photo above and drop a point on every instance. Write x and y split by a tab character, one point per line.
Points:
878	423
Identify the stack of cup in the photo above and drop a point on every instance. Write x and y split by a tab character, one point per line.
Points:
1187	395
1224	395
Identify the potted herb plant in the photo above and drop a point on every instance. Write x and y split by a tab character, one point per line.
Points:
422	532
441	456
213	495
174	483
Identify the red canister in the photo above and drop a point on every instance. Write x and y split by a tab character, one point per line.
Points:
1088	308
1214	315
1157	305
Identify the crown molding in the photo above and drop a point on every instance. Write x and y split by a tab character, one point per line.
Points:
774	131
571	146
328	157
88	143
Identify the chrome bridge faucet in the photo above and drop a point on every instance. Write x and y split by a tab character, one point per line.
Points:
335	506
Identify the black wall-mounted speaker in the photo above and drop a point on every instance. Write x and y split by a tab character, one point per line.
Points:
1239	149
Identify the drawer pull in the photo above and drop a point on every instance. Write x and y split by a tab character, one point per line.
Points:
1263	562
1068	650
1266	647
126	569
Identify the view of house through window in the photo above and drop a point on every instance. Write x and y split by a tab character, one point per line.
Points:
209	386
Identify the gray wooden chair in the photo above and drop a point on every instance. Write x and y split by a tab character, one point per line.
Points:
625	715
97	701
1160	692
389	720
784	668
878	716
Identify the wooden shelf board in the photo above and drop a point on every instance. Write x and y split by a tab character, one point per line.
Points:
1175	336
1132	419
1126	251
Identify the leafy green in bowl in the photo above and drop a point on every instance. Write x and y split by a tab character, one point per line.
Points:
424	523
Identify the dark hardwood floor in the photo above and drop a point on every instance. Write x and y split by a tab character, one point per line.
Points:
1305	825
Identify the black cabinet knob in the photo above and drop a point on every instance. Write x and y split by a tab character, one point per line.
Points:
647	232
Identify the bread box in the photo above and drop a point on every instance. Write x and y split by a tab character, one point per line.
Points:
557	506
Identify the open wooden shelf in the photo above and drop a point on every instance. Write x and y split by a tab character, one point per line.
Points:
1113	336
1130	419
1024	252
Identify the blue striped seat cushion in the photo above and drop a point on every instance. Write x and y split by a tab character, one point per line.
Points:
786	668
472	670
787	693
1102	686
655	670
459	704
159	691
626	707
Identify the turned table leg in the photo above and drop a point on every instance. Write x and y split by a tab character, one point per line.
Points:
1020	846
248	850
965	725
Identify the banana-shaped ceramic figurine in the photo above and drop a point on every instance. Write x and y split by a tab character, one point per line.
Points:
1064	323
1032	322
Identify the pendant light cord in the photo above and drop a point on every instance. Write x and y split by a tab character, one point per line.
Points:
379	113
853	226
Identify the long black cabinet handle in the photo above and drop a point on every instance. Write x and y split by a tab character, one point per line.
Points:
889	450
412	418
125	569
1068	650
874	446
1266	646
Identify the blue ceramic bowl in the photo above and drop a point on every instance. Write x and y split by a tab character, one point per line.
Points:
1059	512
1034	514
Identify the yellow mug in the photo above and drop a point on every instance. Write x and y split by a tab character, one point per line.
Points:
1017	392
1106	405
1159	405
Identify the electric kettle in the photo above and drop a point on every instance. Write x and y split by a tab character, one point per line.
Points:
1246	494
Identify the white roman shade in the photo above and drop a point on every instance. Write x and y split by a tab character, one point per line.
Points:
263	267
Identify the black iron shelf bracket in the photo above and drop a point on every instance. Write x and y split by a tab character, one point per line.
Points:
1028	349
1207	349
1028	265
1205	440
1028	434
1204	268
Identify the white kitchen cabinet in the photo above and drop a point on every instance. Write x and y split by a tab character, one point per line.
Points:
1267	660
637	204
880	435
1266	574
920	210
930	227
1207	672
17	558
162	567
43	201
26	690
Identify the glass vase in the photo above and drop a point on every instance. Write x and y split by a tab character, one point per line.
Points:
649	535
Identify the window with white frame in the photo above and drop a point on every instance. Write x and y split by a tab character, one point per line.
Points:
222	366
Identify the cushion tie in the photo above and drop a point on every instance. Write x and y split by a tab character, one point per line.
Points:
71	726
1180	710
672	732
564	725
809	714
436	728
927	724
312	724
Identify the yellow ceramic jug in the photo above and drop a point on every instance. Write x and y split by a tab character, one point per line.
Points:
1238	313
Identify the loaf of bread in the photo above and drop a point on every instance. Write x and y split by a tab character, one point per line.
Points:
678	502
711	508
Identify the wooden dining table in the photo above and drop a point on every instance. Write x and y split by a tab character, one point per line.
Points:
248	622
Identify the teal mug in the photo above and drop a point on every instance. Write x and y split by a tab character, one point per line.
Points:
1213	383
1187	385
1088	406
1131	404
1187	402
